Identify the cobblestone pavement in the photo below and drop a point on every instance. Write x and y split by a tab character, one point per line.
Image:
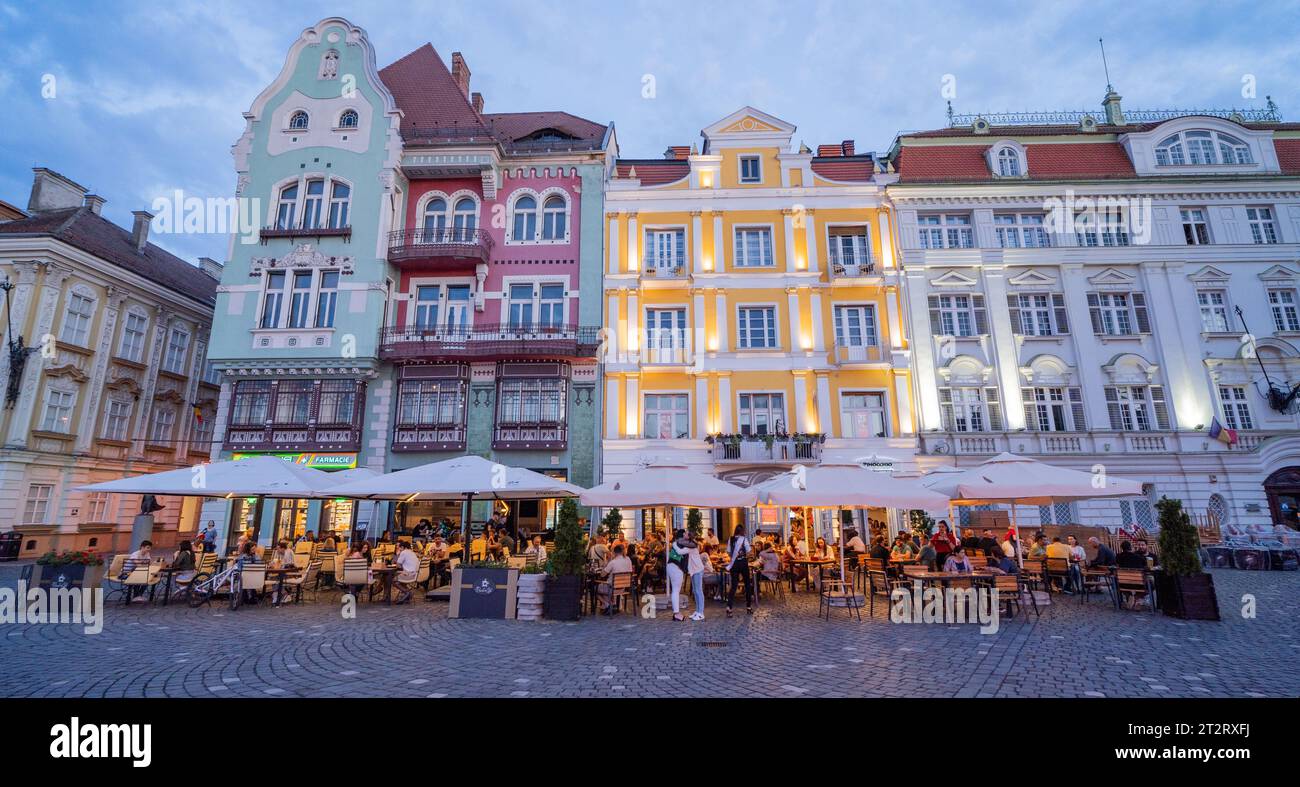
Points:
783	650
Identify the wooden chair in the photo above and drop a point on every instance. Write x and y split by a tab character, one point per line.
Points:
112	583
516	561
914	571
777	583
1033	572
880	584
354	577
1098	582
1058	568
1133	583
622	586
838	590
304	548
1010	590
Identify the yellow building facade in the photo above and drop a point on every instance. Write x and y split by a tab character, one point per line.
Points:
752	311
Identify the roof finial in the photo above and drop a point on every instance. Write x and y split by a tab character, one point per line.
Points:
1104	66
950	112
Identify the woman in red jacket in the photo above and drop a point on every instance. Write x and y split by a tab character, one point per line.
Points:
943	542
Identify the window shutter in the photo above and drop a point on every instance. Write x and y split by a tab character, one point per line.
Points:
1112	407
1140	313
1094	311
945	408
936	325
1013	308
1158	404
994	409
981	315
1058	306
1031	409
1077	411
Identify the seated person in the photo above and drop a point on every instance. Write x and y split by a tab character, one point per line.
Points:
970	540
618	564
855	542
878	549
1105	555
903	549
1127	558
927	556
536	552
1039	548
769	562
1058	550
989	544
409	569
957	561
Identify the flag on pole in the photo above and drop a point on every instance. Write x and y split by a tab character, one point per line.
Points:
198	414
1221	433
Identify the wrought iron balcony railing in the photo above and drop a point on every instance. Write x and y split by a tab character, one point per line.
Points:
441	244
485	342
541	435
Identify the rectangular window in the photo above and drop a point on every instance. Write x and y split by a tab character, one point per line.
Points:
863	414
762	414
133	334
1021	230
178	349
1137	408
300	299
160	430
313	205
958	315
1236	407
970	409
531	401
327	298
97	507
292	402
76	321
201	436
426	307
1053	409
754	247
338	403
751	169
1262	227
37	510
665	249
756	327
1196	231
946	231
1214	310
850	248
667	416
273	301
340	195
57	416
288	203
1038	314
1283	305
1105	227
521	306
1118	313
550	306
251	404
666	335
855	326
431	403
117	420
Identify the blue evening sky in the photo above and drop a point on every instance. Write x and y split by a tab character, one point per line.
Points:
149	96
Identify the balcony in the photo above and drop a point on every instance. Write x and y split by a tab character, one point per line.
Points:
864	353
667	269
487	342
747	450
429	437
541	436
1083	443
296	415
267	233
851	265
294	437
449	248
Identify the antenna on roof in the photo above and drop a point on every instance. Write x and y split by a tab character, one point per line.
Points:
949	112
1102	42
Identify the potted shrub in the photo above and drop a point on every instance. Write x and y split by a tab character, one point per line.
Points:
695	524
484	589
612	524
566	567
68	569
1183	589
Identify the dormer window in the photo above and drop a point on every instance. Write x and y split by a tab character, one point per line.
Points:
348	119
1009	163
1201	148
298	121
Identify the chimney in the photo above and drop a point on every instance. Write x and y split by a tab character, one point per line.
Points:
211	267
1114	114
847	147
460	72
678	152
95	203
140	230
476	99
52	191
825	151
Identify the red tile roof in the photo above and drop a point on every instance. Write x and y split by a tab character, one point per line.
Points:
516	126
1047	161
426	93
844	168
1288	155
94	234
653	172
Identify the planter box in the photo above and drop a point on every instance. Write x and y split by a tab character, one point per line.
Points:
563	598
484	593
532	594
72	575
1189	598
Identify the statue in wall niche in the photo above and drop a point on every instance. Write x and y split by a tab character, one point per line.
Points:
329	65
150	504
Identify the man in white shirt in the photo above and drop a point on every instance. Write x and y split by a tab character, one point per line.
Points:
536	551
618	564
409	568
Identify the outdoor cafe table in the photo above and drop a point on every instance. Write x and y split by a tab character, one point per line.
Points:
385	575
168	573
280	574
808	563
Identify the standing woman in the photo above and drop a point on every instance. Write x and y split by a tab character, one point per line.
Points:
697	564
944	542
738	566
677	568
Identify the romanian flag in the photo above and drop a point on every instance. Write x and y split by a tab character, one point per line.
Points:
1222	434
198	414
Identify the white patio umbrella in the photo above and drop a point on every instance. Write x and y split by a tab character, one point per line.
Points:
255	476
341	477
1013	479
847	486
461	478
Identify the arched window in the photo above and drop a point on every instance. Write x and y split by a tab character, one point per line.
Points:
348	119
1201	147
1008	163
435	219
340	196
525	222
554	216
465	218
298	121
286	207
1218	510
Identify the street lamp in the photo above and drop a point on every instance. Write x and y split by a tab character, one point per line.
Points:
18	350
